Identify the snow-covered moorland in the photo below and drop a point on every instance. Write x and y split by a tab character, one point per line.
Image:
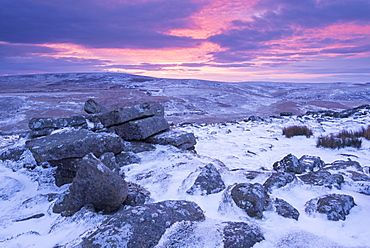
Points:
242	152
233	154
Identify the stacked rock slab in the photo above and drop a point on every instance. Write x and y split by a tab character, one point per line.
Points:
66	149
44	126
135	123
180	139
73	144
98	132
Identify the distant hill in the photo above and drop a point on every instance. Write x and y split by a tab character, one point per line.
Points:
185	100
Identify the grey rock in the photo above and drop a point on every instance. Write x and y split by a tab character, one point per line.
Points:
335	206
311	163
344	165
358	176
109	160
41	132
66	170
241	235
122	115
137	146
364	188
70	164
360	182
63	177
323	178
92	107
73	144
286	114
126	158
141	129
137	195
57	122
208	182
278	180
13	154
253	198
157	109
289	163
35	216
180	139
142	226
94	184
286	210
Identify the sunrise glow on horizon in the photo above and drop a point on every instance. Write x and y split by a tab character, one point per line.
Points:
237	40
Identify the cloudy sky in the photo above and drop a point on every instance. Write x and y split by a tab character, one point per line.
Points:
225	40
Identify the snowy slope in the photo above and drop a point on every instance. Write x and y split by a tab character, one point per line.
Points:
234	148
48	95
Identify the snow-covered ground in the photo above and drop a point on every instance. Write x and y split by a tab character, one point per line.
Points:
235	148
185	100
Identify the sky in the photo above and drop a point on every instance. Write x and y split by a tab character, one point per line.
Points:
235	40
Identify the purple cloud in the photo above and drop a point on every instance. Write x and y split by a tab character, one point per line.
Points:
348	50
283	19
15	50
23	58
123	24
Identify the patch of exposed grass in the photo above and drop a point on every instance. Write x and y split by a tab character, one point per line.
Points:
332	141
345	138
296	131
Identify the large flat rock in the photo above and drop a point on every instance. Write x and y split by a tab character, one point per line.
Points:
122	115
141	129
73	144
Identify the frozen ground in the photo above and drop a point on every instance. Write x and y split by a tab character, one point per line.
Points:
235	148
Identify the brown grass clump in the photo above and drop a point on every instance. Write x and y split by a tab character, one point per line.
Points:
333	141
296	131
344	138
365	132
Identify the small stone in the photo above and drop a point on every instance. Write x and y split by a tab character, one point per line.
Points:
289	163
278	180
92	107
241	235
208	182
253	198
286	210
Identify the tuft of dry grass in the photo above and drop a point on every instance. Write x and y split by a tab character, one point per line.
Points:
365	132
296	131
333	141
344	138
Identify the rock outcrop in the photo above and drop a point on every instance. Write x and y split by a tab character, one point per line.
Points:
142	226
311	163
241	234
119	133
94	184
253	198
73	144
289	163
180	139
322	178
334	206
140	129
278	180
